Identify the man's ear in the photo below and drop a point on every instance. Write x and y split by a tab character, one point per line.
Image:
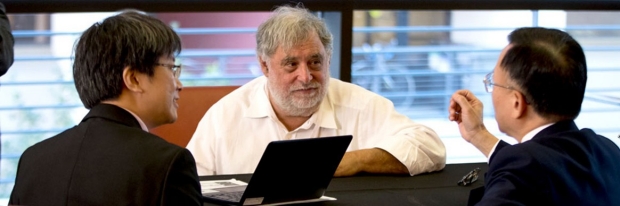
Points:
263	65
132	80
519	104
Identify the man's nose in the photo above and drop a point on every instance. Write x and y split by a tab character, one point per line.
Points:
179	85
304	75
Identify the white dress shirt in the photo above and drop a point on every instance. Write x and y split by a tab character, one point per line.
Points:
534	132
234	133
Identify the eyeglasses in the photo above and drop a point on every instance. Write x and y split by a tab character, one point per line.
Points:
469	178
176	69
488	83
488	86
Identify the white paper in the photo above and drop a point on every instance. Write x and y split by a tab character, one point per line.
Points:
320	199
212	186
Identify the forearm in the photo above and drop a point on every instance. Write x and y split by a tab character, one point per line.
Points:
375	161
484	142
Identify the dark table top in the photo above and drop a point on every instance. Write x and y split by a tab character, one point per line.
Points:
436	188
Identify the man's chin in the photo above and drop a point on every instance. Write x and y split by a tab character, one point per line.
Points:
172	118
306	104
297	97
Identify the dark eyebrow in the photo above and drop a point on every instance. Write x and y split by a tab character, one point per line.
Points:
287	60
317	56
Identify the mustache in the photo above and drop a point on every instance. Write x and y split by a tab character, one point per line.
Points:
311	85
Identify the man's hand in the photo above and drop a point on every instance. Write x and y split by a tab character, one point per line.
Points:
466	110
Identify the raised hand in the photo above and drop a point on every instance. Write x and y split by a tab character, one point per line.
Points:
466	110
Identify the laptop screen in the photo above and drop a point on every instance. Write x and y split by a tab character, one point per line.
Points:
292	170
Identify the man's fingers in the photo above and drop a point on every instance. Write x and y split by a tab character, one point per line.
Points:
459	100
468	95
454	107
463	92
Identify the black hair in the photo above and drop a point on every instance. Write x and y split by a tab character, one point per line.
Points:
549	67
130	39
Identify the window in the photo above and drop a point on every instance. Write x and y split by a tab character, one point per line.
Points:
40	100
418	59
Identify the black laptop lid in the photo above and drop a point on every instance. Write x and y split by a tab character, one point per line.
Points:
297	169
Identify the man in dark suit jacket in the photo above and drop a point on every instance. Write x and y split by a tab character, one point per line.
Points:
6	46
6	42
537	90
125	74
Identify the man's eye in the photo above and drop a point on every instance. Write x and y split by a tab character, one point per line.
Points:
315	65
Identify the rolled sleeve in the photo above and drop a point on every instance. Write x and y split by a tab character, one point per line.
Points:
420	150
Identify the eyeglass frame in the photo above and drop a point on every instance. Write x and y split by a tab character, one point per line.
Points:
488	85
469	178
176	69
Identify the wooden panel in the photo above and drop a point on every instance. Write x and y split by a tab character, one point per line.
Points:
193	104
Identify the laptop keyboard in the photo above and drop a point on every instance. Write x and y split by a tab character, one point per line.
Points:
228	196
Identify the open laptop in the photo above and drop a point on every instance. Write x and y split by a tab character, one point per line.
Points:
289	170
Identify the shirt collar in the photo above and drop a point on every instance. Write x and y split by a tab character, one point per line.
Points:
533	133
142	125
326	116
261	107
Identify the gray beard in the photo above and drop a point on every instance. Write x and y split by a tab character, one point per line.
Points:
291	109
295	110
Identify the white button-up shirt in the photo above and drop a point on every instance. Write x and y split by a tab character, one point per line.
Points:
234	133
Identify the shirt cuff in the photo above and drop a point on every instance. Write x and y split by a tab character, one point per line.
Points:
492	151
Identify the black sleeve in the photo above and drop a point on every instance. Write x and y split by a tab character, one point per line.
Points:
499	147
182	184
513	179
16	193
6	42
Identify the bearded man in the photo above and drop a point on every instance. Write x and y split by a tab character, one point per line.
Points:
296	98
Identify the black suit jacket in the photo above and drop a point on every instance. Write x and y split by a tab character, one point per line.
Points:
106	160
6	45
6	42
561	165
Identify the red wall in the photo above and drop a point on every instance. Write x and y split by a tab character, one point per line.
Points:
217	20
